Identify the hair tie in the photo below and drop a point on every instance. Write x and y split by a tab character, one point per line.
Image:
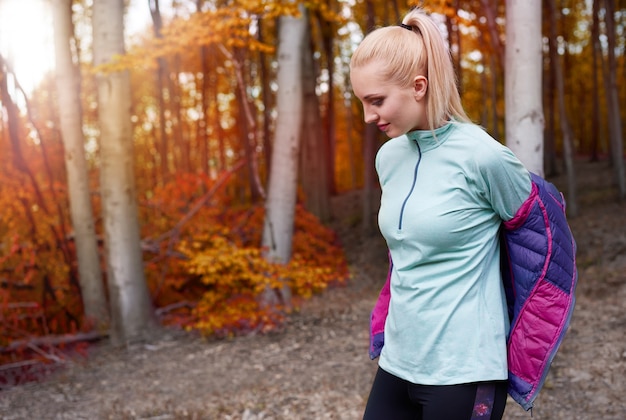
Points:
409	27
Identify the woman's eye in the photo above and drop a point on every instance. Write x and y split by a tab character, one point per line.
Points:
377	102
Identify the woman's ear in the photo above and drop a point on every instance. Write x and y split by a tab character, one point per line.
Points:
420	86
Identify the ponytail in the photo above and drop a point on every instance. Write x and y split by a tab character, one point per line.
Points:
444	101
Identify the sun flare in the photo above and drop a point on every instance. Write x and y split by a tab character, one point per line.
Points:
26	39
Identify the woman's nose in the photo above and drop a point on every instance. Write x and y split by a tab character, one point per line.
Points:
370	116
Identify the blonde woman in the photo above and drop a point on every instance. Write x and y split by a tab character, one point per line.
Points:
447	187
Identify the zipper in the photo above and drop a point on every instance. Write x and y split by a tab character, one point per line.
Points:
417	165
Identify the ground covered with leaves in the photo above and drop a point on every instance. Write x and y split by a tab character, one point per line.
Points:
317	367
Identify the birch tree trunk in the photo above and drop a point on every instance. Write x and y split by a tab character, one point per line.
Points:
131	309
523	67
281	196
81	210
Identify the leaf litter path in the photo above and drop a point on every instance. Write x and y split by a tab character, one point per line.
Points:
318	368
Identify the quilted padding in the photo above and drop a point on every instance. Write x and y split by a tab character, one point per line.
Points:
539	274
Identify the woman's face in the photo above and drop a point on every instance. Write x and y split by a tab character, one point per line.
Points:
394	109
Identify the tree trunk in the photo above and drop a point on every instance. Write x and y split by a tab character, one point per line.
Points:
162	74
489	7
81	210
523	64
180	150
369	179
566	129
369	154
247	126
266	94
595	91
350	137
612	101
131	309
202	141
549	141
454	46
327	31
281	197
494	72
484	91
313	173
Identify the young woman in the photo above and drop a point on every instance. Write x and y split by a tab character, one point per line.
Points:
447	186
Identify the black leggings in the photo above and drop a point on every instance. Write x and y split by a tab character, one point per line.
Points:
397	399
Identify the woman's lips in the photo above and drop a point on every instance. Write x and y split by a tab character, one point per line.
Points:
383	127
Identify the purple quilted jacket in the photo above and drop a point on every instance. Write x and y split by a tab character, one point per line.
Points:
539	275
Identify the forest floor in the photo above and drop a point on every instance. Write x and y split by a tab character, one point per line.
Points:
318	367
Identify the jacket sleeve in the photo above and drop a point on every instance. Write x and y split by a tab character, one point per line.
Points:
379	316
539	274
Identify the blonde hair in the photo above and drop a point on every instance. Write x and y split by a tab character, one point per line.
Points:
419	51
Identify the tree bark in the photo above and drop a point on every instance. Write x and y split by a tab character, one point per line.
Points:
266	95
131	308
596	51
549	141
248	128
313	172
370	138
81	210
566	129
369	180
494	35
612	101
202	141
494	72
281	197
523	64
162	74
327	31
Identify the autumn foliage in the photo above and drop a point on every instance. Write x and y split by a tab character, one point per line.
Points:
213	259
216	262
209	259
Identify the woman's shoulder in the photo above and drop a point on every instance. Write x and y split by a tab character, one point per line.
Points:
475	134
477	142
395	146
396	142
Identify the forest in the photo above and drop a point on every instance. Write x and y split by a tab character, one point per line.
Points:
164	180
